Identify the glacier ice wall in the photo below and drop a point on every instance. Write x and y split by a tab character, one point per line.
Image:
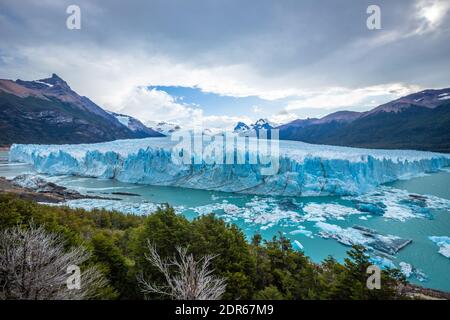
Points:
304	169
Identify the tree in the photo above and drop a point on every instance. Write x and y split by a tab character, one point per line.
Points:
34	266
186	278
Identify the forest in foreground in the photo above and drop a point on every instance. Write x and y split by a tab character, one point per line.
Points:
123	256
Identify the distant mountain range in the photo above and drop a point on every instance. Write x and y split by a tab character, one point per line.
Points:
418	121
253	129
163	127
49	111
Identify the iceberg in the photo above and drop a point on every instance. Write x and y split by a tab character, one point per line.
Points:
298	245
443	243
410	271
303	169
136	208
397	204
358	235
382	262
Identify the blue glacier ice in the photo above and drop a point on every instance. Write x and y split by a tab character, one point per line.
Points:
304	169
443	243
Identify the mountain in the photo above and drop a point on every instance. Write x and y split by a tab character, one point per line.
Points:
418	121
135	125
49	111
243	129
261	124
163	127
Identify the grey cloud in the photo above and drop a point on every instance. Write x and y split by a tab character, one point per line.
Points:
295	43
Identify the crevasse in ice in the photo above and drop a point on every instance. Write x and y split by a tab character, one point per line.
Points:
304	169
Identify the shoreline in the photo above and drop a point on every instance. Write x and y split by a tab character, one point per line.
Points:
46	192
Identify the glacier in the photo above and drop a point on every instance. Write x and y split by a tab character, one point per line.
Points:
304	169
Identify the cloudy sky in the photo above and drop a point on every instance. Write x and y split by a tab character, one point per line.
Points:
230	60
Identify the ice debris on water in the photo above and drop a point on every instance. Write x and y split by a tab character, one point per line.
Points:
443	243
137	208
397	204
410	272
358	235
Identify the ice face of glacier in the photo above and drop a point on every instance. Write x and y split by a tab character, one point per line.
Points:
304	169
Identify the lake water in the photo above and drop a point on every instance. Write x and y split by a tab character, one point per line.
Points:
300	218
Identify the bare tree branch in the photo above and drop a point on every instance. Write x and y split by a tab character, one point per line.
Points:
186	278
33	266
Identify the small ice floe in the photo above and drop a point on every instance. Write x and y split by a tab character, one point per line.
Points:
376	209
358	235
406	269
410	271
399	204
325	211
302	230
382	262
138	208
288	204
443	243
298	245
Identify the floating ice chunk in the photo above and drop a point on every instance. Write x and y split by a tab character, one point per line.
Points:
304	169
138	208
382	262
399	204
410	271
325	211
298	244
358	235
346	236
372	208
302	230
406	269
443	243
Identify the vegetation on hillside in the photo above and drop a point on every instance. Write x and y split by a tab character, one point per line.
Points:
416	128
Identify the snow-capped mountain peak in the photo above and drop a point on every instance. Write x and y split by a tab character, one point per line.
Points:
241	127
262	124
164	127
134	124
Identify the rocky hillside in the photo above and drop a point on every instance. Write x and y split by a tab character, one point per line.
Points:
418	121
48	111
